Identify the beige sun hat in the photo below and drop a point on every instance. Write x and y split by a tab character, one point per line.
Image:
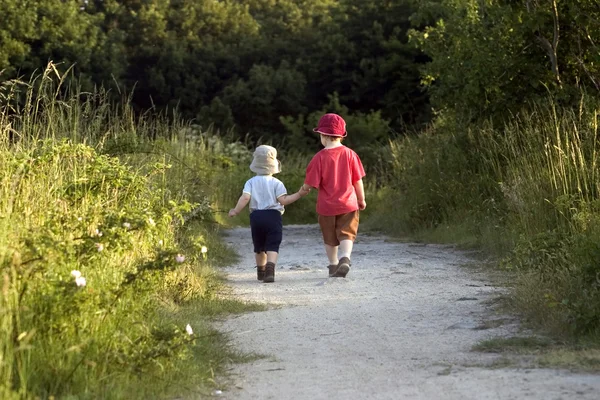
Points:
265	161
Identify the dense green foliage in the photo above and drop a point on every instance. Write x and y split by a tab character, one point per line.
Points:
107	248
490	58
510	163
526	191
239	64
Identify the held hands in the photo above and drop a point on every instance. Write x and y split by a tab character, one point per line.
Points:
304	190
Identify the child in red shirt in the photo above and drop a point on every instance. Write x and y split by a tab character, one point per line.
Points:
336	172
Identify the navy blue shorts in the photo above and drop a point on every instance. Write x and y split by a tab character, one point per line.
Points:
266	227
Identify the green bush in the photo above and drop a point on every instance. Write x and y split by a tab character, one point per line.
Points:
108	235
526	191
85	246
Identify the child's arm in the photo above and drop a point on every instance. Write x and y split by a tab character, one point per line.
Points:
286	199
304	190
242	202
360	194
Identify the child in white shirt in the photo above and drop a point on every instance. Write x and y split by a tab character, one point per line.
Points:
267	196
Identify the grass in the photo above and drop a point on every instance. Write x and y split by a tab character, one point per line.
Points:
544	353
516	344
573	359
128	201
525	193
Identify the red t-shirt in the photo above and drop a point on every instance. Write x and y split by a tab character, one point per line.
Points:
333	172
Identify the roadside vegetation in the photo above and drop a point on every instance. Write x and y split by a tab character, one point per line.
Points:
108	243
511	167
510	163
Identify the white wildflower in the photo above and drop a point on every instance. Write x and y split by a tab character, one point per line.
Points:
99	246
79	219
75	274
160	242
98	232
126	225
180	258
189	330
151	221
80	281
204	250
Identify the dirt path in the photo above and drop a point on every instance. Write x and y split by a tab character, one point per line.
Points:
400	326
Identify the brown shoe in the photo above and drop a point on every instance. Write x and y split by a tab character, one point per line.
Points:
260	272
343	268
332	269
269	273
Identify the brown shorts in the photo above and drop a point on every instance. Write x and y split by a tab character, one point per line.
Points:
339	227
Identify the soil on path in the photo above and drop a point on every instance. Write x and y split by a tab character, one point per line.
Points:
401	326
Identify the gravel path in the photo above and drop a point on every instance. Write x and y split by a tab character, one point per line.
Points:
400	326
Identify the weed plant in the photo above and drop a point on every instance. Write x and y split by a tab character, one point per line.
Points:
526	192
108	241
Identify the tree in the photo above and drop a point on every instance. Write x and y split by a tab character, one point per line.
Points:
250	61
384	68
491	57
17	29
267	94
35	32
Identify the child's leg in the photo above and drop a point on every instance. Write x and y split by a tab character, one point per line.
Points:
346	229
332	254
261	258
258	239
273	241
346	248
270	266
344	264
327	224
271	257
261	261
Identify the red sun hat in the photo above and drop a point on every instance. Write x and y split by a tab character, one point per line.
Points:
331	125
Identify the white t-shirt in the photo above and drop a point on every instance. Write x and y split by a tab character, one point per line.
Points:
264	190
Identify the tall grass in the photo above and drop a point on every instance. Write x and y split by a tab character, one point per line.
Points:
545	162
526	191
90	190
